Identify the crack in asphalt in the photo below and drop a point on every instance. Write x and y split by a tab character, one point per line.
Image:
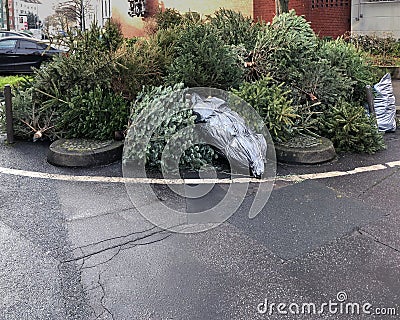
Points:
102	302
113	238
147	243
129	245
375	239
377	183
108	213
121	246
118	245
103	262
81	256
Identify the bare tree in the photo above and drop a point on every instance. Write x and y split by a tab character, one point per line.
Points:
58	21
281	6
76	9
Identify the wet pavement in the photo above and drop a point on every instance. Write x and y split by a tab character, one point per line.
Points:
81	250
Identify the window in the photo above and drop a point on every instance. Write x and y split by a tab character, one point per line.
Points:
329	3
24	44
43	46
5	34
8	44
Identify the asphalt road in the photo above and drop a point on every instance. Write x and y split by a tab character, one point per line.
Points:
80	250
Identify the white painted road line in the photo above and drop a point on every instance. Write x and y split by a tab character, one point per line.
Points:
101	179
393	164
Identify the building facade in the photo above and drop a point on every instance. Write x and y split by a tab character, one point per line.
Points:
328	17
18	11
377	17
3	14
100	12
331	18
21	10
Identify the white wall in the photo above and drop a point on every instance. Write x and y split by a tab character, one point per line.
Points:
101	11
376	17
21	10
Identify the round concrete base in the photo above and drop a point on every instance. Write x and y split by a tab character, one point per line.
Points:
305	150
84	153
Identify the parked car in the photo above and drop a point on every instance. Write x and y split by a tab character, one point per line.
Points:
20	54
4	34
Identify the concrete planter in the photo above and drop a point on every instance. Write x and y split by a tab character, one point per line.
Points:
305	150
84	153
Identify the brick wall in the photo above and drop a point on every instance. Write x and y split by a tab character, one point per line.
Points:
330	17
327	17
263	9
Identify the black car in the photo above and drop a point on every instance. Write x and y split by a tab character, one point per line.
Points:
20	54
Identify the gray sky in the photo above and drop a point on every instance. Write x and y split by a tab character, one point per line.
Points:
46	8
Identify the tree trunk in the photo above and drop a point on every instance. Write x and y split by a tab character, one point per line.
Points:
282	6
7	15
83	18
